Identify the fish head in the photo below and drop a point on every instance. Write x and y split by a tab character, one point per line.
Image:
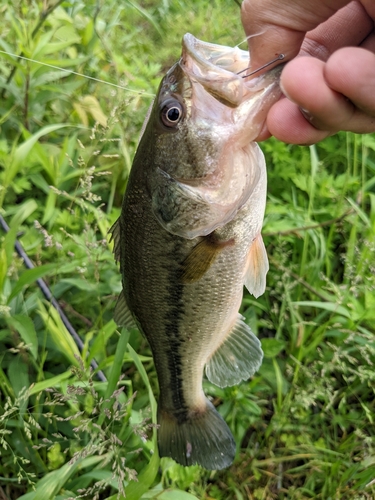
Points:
203	122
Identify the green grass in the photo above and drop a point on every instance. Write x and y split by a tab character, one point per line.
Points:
304	425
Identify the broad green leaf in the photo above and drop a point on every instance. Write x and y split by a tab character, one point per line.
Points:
3	268
272	347
88	32
360	212
50	207
67	32
100	341
50	382
146	381
369	141
273	375
370	304
67	63
80	283
90	104
146	14
50	485
24	210
176	495
114	376
60	335
56	46
25	327
18	374
24	149
46	78
328	306
30	276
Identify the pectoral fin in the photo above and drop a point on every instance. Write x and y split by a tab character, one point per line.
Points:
257	267
122	314
238	357
201	258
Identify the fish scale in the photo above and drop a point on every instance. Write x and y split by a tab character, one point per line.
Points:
188	239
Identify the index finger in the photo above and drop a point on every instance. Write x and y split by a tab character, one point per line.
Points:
280	26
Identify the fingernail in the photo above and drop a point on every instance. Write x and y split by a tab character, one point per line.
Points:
284	91
306	114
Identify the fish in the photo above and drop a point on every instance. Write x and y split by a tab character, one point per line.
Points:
189	238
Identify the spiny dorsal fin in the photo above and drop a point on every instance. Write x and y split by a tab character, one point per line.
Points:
122	315
238	357
257	267
115	237
201	258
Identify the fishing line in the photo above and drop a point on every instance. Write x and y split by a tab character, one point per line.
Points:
251	36
140	92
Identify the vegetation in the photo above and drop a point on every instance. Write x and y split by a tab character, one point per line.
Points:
304	425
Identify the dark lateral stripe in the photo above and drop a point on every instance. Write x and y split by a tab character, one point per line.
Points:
173	319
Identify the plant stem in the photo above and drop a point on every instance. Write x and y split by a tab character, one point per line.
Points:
26	102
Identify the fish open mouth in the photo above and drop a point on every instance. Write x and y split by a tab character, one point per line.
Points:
219	69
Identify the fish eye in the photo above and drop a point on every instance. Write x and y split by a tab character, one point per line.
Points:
171	113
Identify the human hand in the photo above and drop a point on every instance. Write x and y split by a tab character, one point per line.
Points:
332	90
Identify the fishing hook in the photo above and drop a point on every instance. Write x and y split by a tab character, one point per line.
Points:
280	57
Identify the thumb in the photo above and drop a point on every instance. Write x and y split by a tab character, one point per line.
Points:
279	26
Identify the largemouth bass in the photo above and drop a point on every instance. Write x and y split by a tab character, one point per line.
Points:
188	239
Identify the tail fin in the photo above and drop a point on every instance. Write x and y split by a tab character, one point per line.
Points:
202	438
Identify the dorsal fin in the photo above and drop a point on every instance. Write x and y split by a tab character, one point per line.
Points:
122	314
115	237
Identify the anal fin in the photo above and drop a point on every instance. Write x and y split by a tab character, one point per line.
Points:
257	267
238	357
122	314
201	258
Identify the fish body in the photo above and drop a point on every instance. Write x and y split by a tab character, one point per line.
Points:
188	239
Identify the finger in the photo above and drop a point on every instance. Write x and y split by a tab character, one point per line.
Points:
304	83
327	110
351	71
369	5
349	26
275	27
287	124
369	43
